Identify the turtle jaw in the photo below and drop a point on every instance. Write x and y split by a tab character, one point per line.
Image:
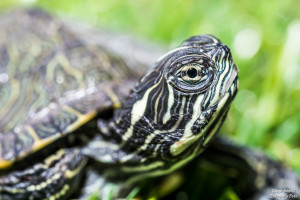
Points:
220	114
207	124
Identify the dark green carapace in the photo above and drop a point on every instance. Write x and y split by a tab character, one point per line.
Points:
67	99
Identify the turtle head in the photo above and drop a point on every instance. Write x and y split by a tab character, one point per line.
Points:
179	104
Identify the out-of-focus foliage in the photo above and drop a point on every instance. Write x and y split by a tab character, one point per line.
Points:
264	37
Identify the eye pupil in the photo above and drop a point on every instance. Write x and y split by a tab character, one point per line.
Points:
192	72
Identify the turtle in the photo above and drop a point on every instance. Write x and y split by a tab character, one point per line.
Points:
68	100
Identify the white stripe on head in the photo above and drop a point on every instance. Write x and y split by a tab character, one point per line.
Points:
188	137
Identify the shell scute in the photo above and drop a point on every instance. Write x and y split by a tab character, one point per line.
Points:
53	81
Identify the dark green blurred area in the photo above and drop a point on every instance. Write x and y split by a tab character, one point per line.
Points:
264	37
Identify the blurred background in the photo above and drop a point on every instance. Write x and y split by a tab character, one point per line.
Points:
264	37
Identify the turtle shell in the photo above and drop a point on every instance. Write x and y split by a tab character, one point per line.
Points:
53	79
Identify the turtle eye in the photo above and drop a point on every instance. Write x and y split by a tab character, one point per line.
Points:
191	74
193	77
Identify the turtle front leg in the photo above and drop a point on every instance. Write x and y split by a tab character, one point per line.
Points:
257	177
55	178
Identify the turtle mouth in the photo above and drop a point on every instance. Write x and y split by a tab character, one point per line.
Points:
213	112
233	80
205	133
207	125
218	112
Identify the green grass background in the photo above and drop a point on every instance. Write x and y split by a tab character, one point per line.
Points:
264	37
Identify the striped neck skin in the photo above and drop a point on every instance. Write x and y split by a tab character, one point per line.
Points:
176	107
